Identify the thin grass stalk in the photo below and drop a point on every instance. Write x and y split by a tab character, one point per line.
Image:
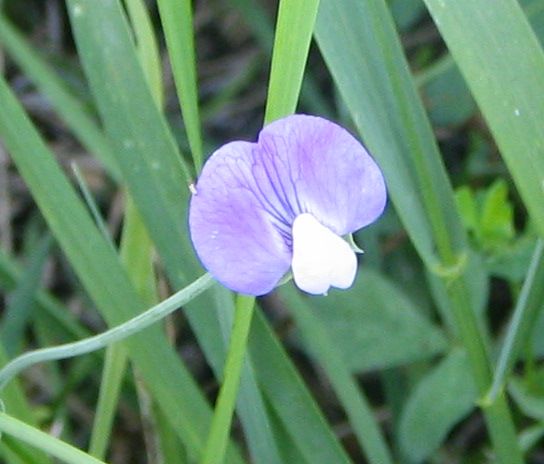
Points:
216	444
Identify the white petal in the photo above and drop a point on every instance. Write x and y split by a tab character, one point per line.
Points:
321	259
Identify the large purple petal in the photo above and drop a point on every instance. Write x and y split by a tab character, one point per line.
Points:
237	239
325	171
249	195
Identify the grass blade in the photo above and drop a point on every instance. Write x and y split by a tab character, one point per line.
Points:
214	451
21	304
177	23
44	442
112	376
364	54
102	275
508	84
355	404
148	48
72	111
530	303
294	30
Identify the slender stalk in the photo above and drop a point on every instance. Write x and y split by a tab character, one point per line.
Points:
44	442
110	386
219	430
115	334
530	302
497	415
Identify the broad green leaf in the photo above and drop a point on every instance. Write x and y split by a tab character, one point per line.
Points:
468	208
439	401
374	325
406	12
507	84
447	97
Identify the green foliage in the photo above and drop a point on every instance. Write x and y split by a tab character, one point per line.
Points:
388	371
488	216
439	401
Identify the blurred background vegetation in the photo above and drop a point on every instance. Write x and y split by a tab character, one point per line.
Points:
429	412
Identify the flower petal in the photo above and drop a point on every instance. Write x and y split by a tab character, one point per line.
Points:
321	259
330	174
232	230
248	196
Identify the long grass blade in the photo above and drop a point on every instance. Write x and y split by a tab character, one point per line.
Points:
294	28
44	442
102	275
363	52
177	22
508	84
73	112
530	303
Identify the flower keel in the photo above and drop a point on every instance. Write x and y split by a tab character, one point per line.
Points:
321	259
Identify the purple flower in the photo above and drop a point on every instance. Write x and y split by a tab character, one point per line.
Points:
285	202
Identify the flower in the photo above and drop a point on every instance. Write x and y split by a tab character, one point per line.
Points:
285	202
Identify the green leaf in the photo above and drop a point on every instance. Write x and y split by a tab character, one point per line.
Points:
330	357
497	221
294	28
440	400
507	84
21	303
374	325
468	208
148	48
363	53
446	96
530	403
290	400
177	23
72	111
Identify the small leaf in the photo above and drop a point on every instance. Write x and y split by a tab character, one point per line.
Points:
466	203
531	404
497	221
439	401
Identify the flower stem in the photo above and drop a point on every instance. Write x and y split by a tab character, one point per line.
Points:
115	334
219	430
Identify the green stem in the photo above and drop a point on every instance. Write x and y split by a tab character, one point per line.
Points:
527	309
110	387
497	415
115	334
44	442
219	430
